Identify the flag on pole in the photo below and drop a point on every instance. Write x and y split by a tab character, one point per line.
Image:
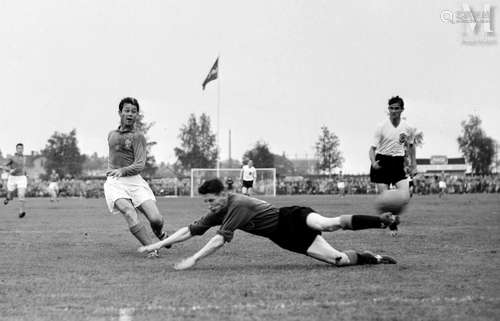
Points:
212	74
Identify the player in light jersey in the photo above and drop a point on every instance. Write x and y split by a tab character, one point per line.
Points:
248	177
17	179
387	154
295	228
53	185
125	190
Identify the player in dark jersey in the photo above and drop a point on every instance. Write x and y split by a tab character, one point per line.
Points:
294	228
125	190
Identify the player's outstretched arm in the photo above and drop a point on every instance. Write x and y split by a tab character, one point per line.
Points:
215	243
180	235
371	155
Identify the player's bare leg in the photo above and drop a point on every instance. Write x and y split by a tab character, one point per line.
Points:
394	226
403	186
8	198
53	195
135	226
20	194
321	250
150	210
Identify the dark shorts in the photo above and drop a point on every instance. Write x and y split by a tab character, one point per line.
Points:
391	171
292	233
248	184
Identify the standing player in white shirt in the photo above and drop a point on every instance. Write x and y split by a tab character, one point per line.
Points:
387	154
248	177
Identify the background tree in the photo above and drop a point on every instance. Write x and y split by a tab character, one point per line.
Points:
167	171
95	163
198	146
260	155
283	165
496	162
150	167
230	163
327	151
477	148
63	155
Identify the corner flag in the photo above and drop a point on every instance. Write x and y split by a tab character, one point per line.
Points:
212	74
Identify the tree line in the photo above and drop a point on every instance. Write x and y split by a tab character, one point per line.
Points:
198	149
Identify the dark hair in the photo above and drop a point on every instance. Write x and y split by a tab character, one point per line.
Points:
128	100
212	186
395	100
19	144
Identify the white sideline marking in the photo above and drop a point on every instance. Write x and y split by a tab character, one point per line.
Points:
285	305
126	314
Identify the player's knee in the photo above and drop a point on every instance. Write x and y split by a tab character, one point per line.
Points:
156	216
317	222
156	220
330	224
130	216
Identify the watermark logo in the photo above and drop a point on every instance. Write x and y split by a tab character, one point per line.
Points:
477	25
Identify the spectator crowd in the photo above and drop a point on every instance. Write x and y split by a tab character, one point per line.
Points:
422	185
359	184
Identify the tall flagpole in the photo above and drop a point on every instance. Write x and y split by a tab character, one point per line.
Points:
218	115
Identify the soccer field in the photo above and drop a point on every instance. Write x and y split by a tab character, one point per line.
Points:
72	260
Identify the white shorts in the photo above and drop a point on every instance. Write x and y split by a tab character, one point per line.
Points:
53	186
134	188
15	182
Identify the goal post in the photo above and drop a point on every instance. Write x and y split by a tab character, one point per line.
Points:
264	185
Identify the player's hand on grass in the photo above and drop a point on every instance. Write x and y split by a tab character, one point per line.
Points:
185	264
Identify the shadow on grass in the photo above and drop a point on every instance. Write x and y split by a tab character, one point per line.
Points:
259	267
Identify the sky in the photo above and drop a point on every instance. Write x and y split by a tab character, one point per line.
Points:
287	68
